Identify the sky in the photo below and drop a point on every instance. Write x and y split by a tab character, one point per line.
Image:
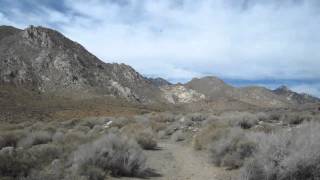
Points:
244	42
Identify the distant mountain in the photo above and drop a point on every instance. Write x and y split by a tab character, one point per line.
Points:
159	82
46	61
294	96
216	89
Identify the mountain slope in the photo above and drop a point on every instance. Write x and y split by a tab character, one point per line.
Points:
44	60
217	90
295	97
159	82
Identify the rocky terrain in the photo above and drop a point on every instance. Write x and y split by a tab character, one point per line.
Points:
295	97
44	61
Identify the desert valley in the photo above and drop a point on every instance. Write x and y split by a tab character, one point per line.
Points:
65	114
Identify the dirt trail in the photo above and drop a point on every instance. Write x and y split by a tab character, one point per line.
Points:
178	162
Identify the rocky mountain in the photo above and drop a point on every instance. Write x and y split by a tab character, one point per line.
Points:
217	90
44	60
159	82
294	96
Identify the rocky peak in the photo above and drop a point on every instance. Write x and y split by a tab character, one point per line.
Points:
52	63
295	97
283	88
48	38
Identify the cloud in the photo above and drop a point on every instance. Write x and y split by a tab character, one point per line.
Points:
179	39
313	89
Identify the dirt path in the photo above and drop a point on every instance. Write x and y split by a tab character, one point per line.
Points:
177	162
189	164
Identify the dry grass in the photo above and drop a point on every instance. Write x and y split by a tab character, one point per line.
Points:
287	155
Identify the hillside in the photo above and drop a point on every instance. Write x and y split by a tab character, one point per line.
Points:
294	96
44	60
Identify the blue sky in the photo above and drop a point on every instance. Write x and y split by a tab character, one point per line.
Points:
244	42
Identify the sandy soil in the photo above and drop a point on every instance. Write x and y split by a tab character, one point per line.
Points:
175	161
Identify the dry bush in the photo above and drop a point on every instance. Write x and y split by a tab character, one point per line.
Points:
296	118
110	153
262	116
143	135
15	164
245	120
167	117
57	137
120	122
35	138
74	138
10	138
231	149
146	139
211	132
197	117
158	126
287	155
46	153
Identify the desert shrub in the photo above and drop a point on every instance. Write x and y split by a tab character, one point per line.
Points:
244	120
82	128
211	132
132	128
167	117
14	163
10	139
146	139
34	138
296	118
275	116
197	117
120	122
92	172
262	116
231	149
73	138
286	155
58	136
178	136
143	135
46	153
157	126
111	153
96	130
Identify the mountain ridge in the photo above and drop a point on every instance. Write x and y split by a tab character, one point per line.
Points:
53	63
44	60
